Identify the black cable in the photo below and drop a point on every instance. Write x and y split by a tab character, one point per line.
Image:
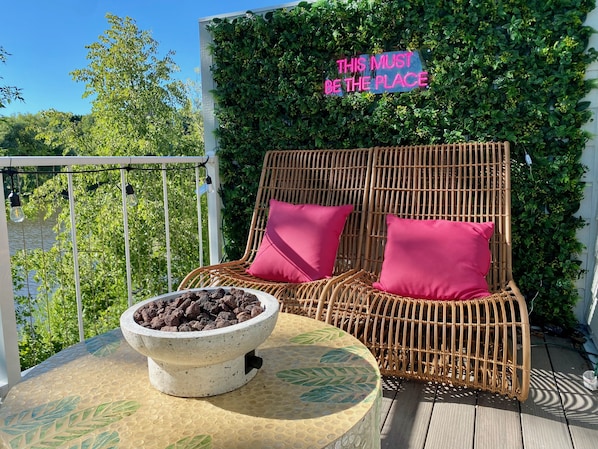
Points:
13	171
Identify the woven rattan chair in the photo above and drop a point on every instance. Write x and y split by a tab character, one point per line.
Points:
328	178
480	343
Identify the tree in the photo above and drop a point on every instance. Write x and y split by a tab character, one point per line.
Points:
136	110
136	104
19	136
8	93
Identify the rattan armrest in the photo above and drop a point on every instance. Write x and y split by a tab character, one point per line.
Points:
478	343
308	298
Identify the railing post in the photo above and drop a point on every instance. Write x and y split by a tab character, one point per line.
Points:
75	249
10	365
129	271
166	226
210	142
214	213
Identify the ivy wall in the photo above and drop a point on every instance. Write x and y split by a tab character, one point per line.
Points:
497	70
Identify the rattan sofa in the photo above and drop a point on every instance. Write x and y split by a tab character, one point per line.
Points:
481	343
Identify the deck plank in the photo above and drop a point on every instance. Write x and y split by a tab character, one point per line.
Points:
542	417
579	403
453	419
498	423
408	420
559	413
390	385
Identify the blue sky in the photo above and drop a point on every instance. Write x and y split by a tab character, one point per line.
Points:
46	41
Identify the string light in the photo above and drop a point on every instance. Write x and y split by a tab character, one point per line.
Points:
130	192
10	171
209	184
131	197
16	210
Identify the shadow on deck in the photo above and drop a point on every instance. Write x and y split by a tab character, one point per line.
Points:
559	413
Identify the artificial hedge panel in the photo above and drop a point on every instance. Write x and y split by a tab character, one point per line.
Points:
498	70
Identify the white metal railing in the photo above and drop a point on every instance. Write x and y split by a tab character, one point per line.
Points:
10	369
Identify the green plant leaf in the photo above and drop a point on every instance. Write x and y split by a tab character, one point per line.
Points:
583	105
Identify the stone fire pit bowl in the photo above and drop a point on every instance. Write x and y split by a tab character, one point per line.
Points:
202	363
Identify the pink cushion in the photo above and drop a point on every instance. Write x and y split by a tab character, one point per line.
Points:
436	259
300	242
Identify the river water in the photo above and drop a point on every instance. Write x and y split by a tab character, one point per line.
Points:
28	235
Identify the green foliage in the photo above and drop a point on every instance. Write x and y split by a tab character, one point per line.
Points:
18	136
133	93
137	110
49	318
499	70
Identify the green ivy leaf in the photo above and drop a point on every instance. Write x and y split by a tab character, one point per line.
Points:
498	71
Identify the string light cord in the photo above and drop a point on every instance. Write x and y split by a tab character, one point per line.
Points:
13	171
531	302
16	211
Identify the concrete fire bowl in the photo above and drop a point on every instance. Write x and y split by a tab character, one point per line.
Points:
202	363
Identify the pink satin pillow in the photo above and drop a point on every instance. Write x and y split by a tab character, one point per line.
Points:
300	242
436	259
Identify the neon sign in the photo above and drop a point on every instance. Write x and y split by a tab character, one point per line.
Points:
394	71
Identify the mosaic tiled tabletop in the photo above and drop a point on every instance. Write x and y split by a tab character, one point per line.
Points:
318	388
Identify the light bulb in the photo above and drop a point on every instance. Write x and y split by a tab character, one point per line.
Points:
209	184
131	197
16	211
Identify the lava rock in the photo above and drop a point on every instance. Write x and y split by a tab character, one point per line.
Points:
199	310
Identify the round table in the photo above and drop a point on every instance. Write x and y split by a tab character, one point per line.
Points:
318	387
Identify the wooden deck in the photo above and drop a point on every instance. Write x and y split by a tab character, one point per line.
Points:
560	412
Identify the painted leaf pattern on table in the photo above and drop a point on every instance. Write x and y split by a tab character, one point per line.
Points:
56	423
105	440
340	394
104	345
196	442
352	382
38	416
329	375
318	336
344	355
